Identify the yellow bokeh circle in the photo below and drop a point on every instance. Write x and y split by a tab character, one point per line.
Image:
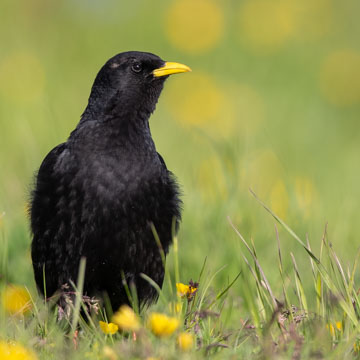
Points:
306	194
340	77
265	25
260	171
249	107
279	199
211	180
263	172
22	77
314	18
194	26
16	299
198	101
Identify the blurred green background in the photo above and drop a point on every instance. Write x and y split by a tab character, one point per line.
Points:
273	103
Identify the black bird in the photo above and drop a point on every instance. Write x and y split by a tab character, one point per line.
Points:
97	194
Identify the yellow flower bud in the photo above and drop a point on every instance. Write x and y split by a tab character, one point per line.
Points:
108	328
185	290
16	299
162	325
185	341
126	318
14	351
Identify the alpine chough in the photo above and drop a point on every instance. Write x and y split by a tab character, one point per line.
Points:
100	194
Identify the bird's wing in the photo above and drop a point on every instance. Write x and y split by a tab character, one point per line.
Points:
43	209
46	180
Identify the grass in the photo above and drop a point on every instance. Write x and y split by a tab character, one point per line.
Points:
283	121
257	321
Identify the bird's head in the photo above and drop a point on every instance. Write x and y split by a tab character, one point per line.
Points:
130	82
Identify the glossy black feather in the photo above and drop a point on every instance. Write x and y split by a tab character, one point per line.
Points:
97	194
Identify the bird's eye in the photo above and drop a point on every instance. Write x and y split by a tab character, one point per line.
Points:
136	67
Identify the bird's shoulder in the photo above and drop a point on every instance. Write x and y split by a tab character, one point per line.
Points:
50	164
47	182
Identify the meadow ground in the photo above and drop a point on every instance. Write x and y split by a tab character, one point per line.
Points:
272	105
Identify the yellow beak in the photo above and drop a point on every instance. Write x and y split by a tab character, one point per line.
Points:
170	68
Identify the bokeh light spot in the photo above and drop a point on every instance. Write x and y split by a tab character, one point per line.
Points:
340	77
197	101
211	180
194	26
261	171
2	214
22	77
305	193
265	25
15	351
279	199
250	108
314	18
16	299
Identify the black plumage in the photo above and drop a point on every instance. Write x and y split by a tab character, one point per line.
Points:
97	194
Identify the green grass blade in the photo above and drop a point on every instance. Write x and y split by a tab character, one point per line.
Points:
79	292
267	285
288	229
299	286
156	286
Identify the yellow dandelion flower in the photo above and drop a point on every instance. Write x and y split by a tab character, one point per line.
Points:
109	353
162	325
14	351
108	328
182	289
185	341
185	290
16	299
194	26
126	318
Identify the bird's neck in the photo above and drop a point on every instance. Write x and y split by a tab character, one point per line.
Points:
102	130
116	120
105	106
